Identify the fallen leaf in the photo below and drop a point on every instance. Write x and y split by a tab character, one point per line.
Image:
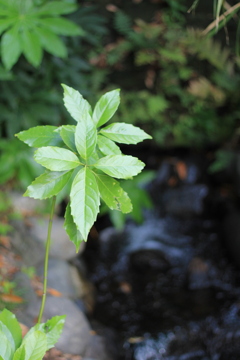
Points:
5	241
54	292
125	287
11	298
50	291
181	169
135	340
172	181
24	329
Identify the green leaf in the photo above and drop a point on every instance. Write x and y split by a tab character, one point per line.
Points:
9	319
67	133
106	107
75	103
85	201
6	350
51	42
35	345
31	47
120	166
125	133
39	136
5	23
86	136
19	354
4	329
112	193
57	8
71	229
61	26
48	184
53	329
56	159
10	48
107	146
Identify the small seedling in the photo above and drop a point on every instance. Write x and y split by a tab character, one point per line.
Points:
87	159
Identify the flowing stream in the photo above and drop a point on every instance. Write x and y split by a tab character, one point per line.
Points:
168	287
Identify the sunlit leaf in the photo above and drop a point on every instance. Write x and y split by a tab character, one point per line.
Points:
106	107
107	146
85	200
112	193
6	350
124	133
120	166
53	329
9	319
48	184
86	136
67	133
71	229
56	159
35	345
75	103
39	136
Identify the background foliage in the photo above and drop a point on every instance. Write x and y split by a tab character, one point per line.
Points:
180	86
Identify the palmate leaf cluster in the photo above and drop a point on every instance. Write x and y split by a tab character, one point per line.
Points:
87	156
29	29
38	340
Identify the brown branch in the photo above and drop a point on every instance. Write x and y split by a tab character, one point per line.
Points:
220	18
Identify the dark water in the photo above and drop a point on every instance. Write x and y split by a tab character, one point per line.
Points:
168	286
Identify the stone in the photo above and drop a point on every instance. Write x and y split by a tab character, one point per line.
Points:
97	349
185	201
62	277
26	291
30	249
76	334
25	205
61	246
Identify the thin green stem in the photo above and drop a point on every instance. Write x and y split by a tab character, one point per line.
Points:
46	260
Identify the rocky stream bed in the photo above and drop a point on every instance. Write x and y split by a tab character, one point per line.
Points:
168	288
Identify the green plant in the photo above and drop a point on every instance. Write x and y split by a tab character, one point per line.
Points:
139	198
38	340
31	106
87	156
186	85
17	164
29	28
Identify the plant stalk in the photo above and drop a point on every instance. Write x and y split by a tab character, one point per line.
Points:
48	243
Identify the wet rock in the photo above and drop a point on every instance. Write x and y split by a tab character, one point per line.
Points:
27	246
76	333
198	274
62	277
184	201
145	259
161	237
66	279
163	174
231	235
26	291
97	349
193	174
25	205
